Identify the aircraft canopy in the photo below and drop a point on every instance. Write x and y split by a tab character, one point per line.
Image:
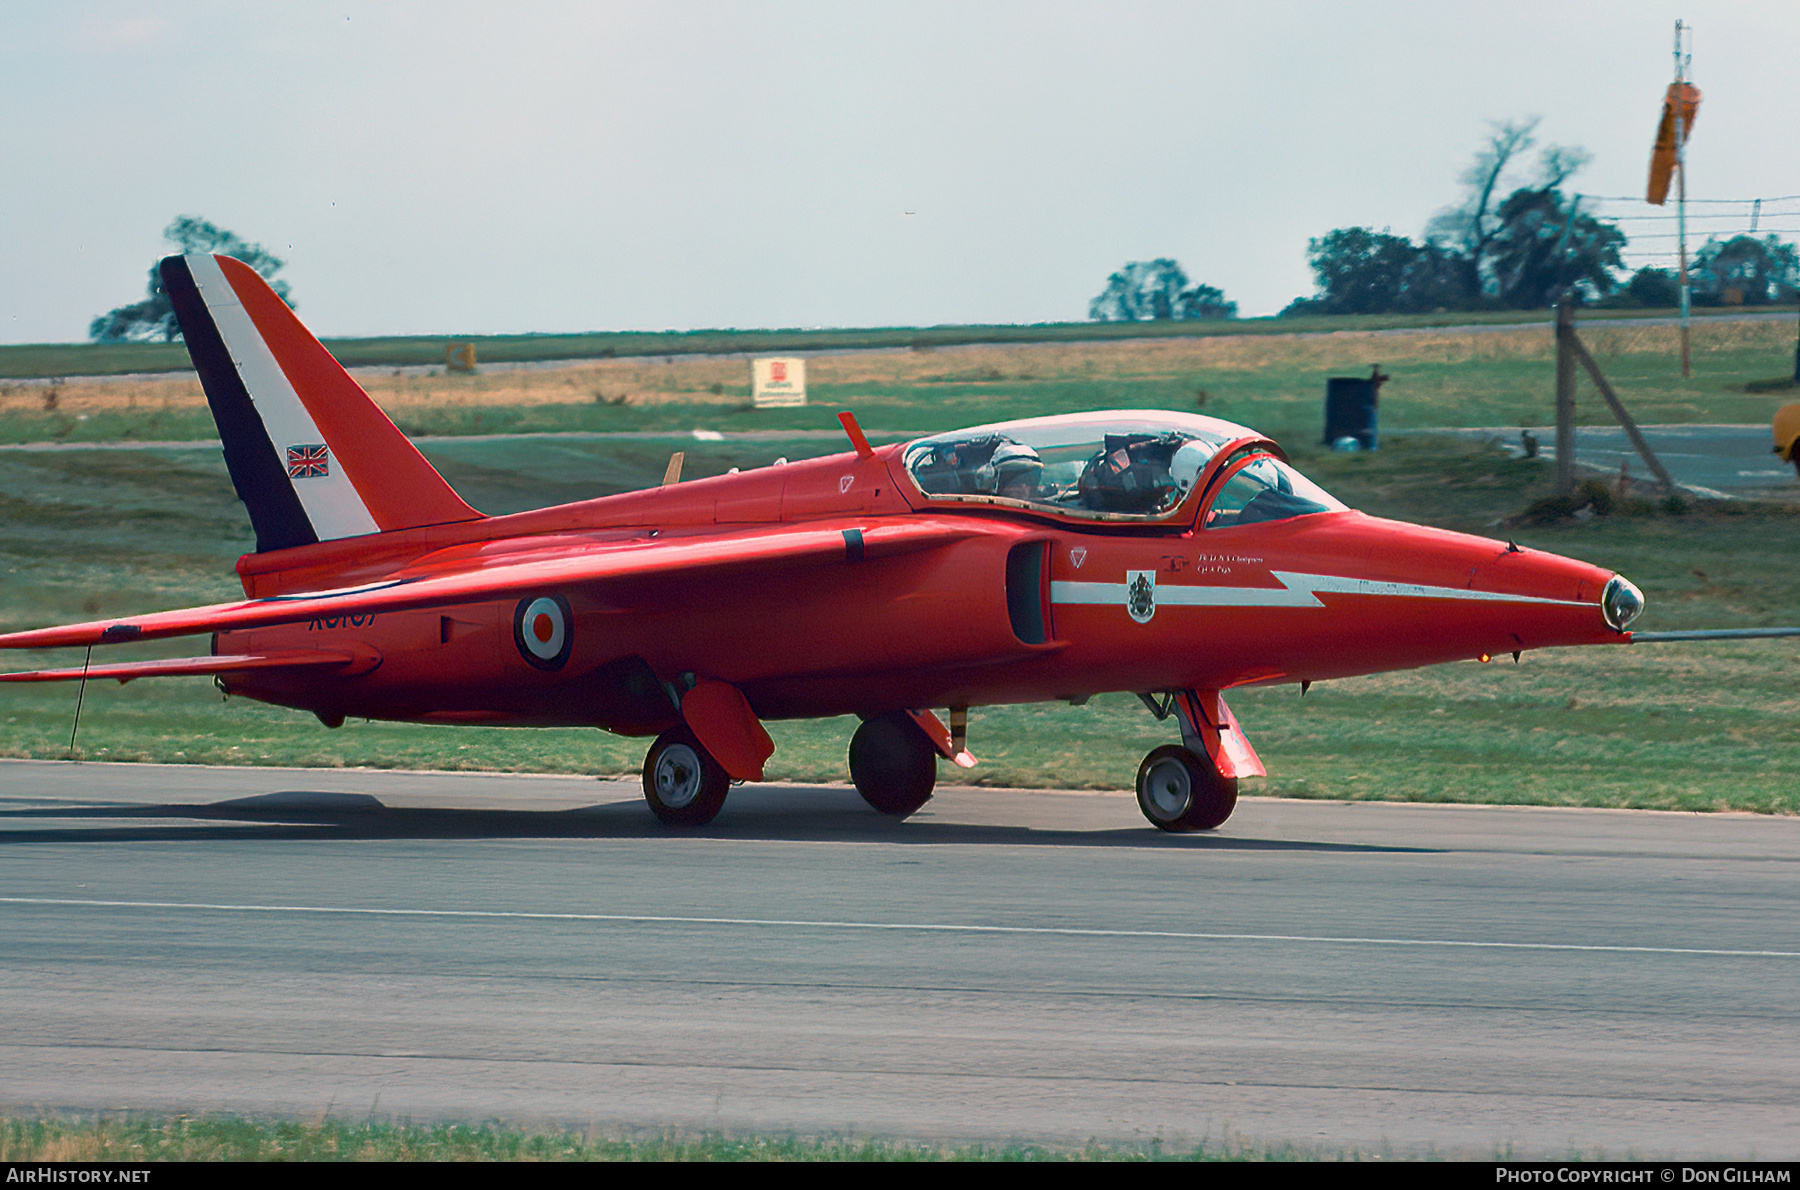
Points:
1129	466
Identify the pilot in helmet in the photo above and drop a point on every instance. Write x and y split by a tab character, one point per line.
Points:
1018	471
1188	462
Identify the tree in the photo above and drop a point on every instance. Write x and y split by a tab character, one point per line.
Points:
1524	251
1471	227
1439	280
1158	289
1542	249
1745	271
1651	287
1357	270
154	318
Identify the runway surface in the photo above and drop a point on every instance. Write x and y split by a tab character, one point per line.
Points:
1006	964
1710	461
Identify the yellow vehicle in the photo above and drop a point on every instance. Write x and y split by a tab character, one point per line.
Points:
1787	434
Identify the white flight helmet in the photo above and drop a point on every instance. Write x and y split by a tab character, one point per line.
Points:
1189	461
1013	461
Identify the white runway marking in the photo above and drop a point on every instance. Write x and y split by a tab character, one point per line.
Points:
920	927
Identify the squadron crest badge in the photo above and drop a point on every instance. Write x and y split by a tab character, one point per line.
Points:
1140	594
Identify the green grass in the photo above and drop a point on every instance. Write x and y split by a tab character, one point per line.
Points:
1696	728
148	425
1689	726
41	360
1273	382
146	1139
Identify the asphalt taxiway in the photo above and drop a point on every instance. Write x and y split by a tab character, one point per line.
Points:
1006	964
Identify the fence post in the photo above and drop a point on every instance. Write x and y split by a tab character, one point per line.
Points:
1565	398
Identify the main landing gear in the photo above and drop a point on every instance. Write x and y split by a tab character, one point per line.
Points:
1179	790
1191	786
893	763
684	785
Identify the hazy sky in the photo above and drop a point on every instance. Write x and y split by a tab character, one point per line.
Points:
463	168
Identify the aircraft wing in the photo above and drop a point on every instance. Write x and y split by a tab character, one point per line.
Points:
474	581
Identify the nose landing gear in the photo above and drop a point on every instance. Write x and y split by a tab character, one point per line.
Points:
1193	786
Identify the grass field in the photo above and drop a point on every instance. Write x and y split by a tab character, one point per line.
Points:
1699	727
45	360
132	1139
1273	382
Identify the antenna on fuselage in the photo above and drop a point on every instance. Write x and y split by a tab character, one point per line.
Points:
858	439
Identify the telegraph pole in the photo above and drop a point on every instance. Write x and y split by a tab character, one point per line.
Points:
1565	394
1681	65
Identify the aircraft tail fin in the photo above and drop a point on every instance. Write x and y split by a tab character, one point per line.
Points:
312	457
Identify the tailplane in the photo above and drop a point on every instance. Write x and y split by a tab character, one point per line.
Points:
312	457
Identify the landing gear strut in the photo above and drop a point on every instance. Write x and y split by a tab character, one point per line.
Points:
1185	788
1179	790
893	764
684	785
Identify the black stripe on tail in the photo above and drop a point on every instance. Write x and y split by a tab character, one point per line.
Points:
256	470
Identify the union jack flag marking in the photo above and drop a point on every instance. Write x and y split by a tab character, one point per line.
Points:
308	462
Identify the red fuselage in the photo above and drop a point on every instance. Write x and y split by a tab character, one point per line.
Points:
1016	604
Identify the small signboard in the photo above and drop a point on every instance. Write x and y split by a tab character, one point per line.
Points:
777	382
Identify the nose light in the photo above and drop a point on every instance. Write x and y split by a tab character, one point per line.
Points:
1620	602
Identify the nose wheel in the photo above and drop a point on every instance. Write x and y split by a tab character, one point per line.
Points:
893	764
684	785
1180	790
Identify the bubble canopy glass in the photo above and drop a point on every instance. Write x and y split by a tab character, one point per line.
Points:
1130	466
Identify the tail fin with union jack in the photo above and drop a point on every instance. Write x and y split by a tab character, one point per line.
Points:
312	457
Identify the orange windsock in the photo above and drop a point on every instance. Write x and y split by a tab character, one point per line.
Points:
1662	158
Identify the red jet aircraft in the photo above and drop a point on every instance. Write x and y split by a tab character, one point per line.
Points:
1165	554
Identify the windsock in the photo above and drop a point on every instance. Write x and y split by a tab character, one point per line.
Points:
1662	158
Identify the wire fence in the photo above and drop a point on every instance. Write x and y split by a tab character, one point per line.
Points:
1653	233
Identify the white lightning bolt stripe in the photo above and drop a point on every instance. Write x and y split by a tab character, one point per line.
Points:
1296	590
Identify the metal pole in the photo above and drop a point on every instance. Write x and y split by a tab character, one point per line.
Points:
1581	355
80	693
1681	201
1565	397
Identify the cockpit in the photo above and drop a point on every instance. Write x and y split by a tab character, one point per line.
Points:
1144	467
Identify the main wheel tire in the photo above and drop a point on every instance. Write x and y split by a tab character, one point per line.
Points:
1179	790
682	782
893	764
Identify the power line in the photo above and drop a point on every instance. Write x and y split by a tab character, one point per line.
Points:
1774	231
1740	201
1648	246
1691	218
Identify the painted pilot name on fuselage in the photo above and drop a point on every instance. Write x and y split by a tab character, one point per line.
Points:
350	621
1203	563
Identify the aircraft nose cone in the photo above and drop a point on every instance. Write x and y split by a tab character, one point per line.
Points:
1620	602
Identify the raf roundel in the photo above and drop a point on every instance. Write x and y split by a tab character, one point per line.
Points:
542	629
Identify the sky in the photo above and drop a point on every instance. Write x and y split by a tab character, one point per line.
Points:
478	168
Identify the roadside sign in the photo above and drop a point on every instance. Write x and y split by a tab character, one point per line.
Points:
778	382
